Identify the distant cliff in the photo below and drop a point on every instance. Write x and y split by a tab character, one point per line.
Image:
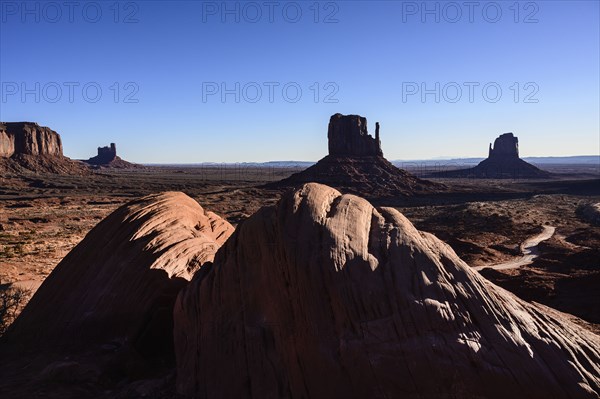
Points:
28	138
28	147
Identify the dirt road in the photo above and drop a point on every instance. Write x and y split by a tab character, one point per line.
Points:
528	249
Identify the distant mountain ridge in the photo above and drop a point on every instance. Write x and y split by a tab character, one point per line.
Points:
576	159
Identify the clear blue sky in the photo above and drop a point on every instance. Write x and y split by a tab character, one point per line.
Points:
161	67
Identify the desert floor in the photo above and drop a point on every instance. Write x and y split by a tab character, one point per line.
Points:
42	217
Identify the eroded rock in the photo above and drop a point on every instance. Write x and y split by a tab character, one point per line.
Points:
323	295
119	283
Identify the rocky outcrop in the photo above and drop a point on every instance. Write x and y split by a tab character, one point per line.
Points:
503	162
107	158
29	147
348	136
325	296
118	285
28	138
355	164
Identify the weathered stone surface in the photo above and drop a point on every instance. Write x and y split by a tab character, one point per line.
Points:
348	136
28	138
119	283
355	164
325	296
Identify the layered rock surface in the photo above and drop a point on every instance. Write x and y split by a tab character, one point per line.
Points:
323	295
28	138
356	164
119	283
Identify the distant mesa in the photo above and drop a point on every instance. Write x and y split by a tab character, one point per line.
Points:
503	162
27	146
107	158
105	155
356	164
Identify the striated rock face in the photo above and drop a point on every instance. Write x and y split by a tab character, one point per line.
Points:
323	295
28	147
355	164
348	136
505	146
118	285
28	138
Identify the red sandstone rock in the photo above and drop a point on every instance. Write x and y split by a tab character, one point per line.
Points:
27	146
324	296
119	283
28	138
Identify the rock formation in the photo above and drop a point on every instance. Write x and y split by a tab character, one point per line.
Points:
321	295
325	296
503	162
29	139
29	146
105	154
356	164
107	158
347	136
118	285
505	146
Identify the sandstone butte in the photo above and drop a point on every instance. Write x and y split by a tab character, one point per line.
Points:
355	164
107	158
320	296
503	162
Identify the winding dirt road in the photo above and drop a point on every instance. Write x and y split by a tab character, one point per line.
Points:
528	249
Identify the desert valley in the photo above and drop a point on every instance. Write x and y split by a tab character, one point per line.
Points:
349	278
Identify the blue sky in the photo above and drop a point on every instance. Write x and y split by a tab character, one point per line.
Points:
161	67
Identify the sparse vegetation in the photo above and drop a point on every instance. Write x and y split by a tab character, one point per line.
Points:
12	301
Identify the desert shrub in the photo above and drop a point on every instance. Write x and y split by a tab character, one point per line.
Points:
19	248
12	300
